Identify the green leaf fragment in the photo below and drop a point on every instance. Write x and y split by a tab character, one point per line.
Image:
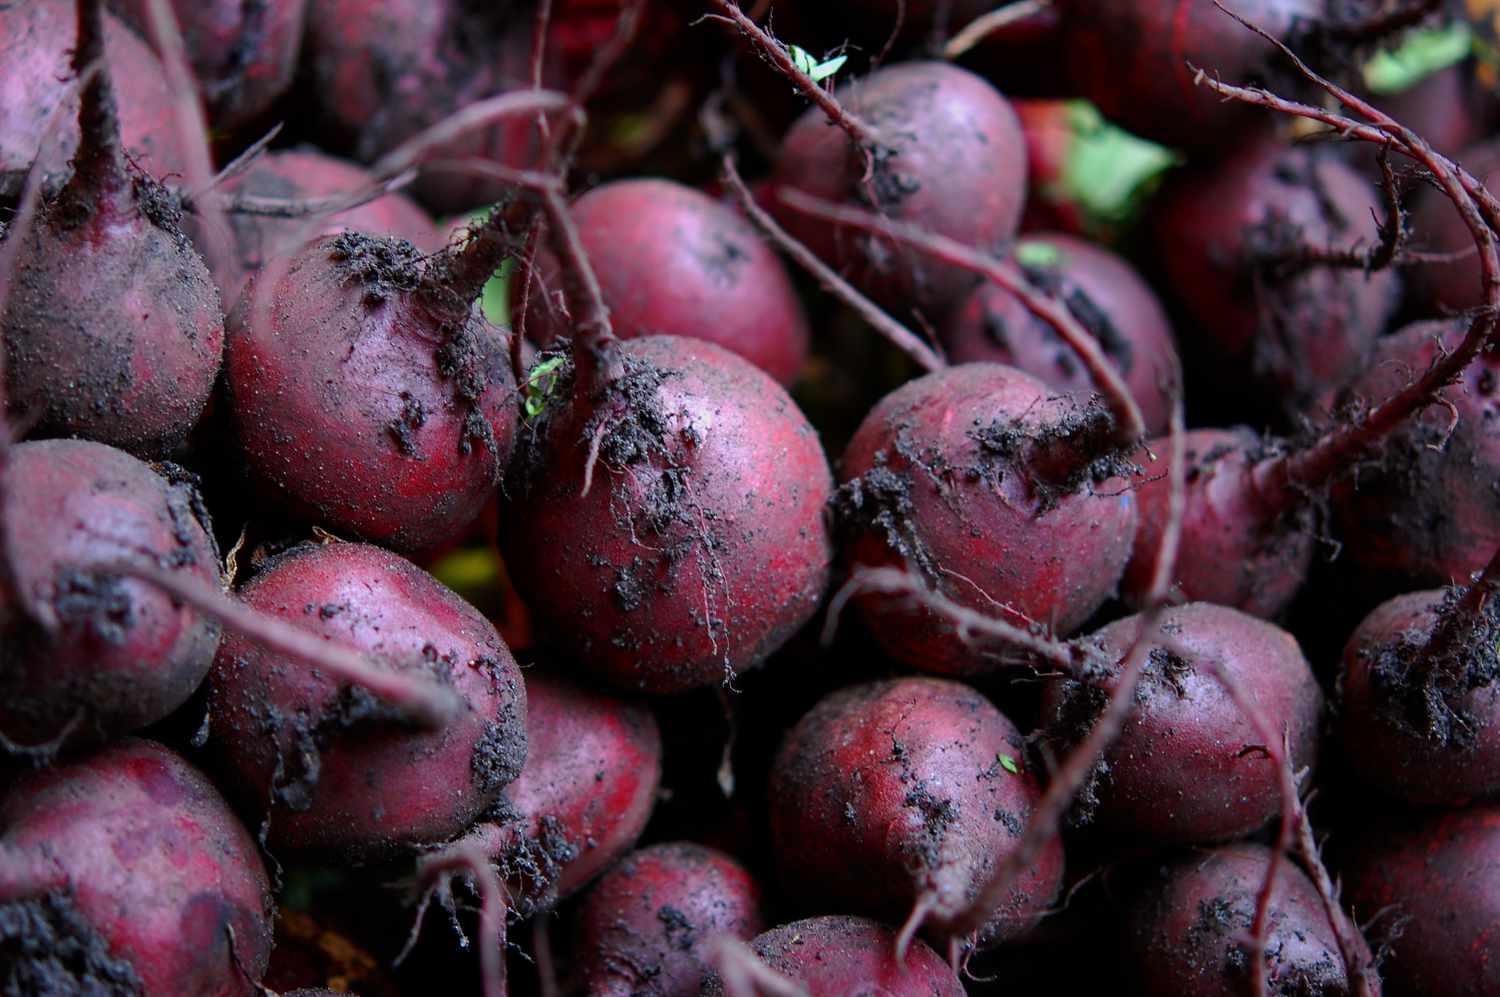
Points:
807	63
1419	56
539	386
1108	173
1008	763
1034	253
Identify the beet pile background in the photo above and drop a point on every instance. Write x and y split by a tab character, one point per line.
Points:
653	497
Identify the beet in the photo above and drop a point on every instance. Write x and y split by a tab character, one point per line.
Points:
127	873
1221	232
699	544
1451	285
1104	294
113	329
304	173
1436	882
647	923
1186	768
336	769
949	158
243	52
905	795
367	392
1186	932
837	956
993	487
672	261
84	654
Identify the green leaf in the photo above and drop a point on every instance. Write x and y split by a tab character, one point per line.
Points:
1009	764
819	71
1422	54
539	386
1108	172
802	59
468	570
1035	253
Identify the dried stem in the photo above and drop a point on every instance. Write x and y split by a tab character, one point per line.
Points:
1386	22
742	972
1130	427
987	24
305	207
475	115
468	858
894	332
595	357
625	27
1457	624
526	274
239	164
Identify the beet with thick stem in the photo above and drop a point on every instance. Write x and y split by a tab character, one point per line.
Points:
1104	294
85	654
367	391
113	328
336	770
672	261
127	873
897	799
1002	494
1188	766
646	925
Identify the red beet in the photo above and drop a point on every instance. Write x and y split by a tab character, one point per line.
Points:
243	52
1436	881
699	546
646	924
838	956
949	158
992	486
127	873
673	261
86	655
906	794
1104	294
1452	285
113	328
1185	768
368	393
1186	932
338	771
306	173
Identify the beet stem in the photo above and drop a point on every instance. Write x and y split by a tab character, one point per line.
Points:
743	973
466	119
987	24
595	357
1458	624
99	163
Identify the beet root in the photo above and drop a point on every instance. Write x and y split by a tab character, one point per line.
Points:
985	481
1187	930
647	922
1105	295
127	873
1189	766
949	158
338	770
86	655
367	393
672	261
837	956
907	794
700	545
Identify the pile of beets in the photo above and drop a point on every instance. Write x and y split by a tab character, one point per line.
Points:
674	497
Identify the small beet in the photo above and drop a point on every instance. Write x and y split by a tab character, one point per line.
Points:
1186	933
86	655
646	924
1189	766
127	873
672	261
1106	296
905	795
338	770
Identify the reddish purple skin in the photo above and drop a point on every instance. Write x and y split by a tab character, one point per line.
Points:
889	791
1241	547
588	788
708	497
111	654
36	50
1452	285
844	956
371	786
1394	756
1186	933
643	928
993	325
148	853
1129	58
1296	334
366	401
243	53
1441	873
1179	772
308	173
958	169
1425	510
984	539
672	261
381	71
